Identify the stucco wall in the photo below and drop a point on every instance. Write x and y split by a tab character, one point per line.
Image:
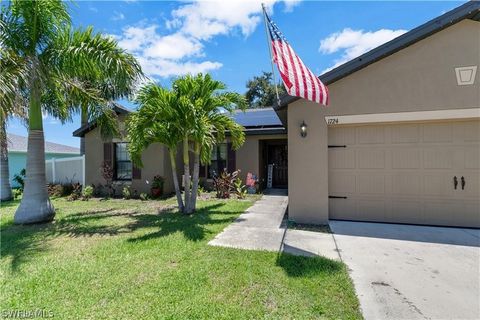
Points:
155	160
418	78
247	158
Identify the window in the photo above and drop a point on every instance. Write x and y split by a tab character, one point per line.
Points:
219	160
123	164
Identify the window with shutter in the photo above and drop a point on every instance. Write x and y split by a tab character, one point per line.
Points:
122	164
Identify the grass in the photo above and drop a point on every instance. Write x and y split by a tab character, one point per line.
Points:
128	259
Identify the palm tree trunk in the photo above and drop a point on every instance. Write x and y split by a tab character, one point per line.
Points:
175	180
35	205
186	169
196	171
83	121
5	188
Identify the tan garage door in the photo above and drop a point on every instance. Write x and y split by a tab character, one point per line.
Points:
405	173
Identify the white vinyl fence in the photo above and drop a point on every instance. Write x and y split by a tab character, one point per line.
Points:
66	170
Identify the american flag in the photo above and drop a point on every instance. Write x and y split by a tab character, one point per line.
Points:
299	81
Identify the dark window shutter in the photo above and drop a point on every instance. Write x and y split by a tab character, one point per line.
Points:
203	171
108	153
136	172
231	162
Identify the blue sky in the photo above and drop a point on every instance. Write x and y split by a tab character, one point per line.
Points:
227	38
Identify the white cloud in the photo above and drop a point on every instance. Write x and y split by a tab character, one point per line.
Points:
191	26
174	46
117	16
290	4
354	43
167	68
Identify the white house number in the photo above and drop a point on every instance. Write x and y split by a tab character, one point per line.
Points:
332	121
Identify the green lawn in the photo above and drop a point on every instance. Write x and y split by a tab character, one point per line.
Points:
128	259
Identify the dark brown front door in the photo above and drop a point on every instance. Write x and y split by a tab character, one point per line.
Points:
278	156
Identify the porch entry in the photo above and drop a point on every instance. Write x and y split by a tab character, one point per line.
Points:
275	154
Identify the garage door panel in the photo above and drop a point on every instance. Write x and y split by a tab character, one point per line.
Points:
341	136
406	211
472	131
437	185
371	210
405	133
437	158
370	184
406	158
342	183
443	211
342	159
370	134
438	132
406	184
472	185
472	158
404	173
342	209
371	159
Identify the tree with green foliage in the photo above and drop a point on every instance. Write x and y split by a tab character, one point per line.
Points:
63	67
208	107
261	91
11	104
194	114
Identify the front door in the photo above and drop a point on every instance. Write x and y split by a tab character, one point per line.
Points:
278	157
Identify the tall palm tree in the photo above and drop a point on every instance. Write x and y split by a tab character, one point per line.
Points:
156	121
208	121
63	66
11	104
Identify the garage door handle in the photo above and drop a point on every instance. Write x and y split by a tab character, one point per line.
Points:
455	182
463	182
336	197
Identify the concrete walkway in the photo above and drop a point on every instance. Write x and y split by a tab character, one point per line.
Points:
262	227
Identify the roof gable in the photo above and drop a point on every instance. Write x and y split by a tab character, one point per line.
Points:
469	10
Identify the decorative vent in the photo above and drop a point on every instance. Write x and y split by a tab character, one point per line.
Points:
466	75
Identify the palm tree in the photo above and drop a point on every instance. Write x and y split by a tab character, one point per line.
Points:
156	121
11	103
193	114
63	67
208	121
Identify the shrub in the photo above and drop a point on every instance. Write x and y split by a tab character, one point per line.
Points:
224	183
87	193
240	188
20	178
143	196
127	194
158	182
16	193
76	192
107	174
60	190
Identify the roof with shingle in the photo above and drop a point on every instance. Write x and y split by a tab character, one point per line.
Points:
18	143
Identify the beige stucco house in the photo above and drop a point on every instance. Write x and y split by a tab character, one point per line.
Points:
265	143
399	142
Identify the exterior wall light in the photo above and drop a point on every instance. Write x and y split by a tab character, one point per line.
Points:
303	129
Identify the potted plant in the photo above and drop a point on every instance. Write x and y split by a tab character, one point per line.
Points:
157	186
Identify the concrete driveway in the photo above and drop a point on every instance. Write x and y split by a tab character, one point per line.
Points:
412	272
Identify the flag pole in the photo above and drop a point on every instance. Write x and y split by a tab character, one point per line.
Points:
269	43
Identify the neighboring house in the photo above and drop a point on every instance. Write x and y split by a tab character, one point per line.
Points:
399	142
17	153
